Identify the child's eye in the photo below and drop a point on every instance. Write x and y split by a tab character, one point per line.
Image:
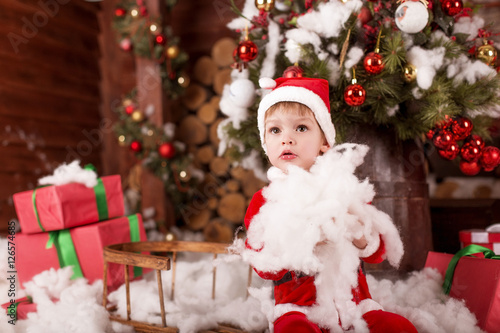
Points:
301	128
274	130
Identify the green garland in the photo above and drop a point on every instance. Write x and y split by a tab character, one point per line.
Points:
156	148
148	37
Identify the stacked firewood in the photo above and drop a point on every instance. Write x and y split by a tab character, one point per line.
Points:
226	189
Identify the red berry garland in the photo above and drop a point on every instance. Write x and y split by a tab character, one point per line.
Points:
473	153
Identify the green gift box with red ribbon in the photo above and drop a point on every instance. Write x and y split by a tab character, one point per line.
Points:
60	207
80	247
473	275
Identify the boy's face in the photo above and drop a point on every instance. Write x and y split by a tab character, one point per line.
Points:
292	138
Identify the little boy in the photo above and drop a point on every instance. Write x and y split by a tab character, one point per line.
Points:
295	129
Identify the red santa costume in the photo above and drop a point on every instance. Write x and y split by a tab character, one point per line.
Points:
300	231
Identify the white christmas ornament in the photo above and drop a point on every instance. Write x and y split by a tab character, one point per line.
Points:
411	16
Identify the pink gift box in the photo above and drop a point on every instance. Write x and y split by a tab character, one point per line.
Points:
66	206
483	237
476	282
33	257
24	307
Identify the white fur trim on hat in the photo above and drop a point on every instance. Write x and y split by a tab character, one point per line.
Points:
300	95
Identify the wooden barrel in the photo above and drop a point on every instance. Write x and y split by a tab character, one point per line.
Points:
397	170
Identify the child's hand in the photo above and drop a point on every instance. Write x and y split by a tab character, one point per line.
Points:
360	243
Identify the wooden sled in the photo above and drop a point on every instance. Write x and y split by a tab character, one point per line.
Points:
129	254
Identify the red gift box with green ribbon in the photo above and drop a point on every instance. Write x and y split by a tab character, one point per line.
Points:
80	247
18	309
472	274
66	206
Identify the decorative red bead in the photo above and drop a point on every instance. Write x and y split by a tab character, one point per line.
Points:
490	158
442	139
293	71
136	146
354	95
373	63
160	39
450	152
469	168
470	152
166	150
247	50
461	128
452	7
120	12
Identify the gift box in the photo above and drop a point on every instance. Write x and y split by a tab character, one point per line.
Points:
474	280
80	247
489	237
65	206
18	309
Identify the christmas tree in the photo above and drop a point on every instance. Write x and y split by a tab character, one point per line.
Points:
424	69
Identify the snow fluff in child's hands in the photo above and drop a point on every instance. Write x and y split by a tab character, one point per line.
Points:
70	173
308	223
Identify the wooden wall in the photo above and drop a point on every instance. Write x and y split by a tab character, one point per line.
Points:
49	92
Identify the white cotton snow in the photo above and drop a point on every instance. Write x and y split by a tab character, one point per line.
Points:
308	224
70	173
330	17
420	299
464	69
426	70
66	305
298	37
249	10
468	25
352	58
274	38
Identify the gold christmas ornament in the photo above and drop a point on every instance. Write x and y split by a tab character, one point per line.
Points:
409	73
137	116
127	101
487	53
173	51
266	5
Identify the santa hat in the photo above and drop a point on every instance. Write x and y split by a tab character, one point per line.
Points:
313	93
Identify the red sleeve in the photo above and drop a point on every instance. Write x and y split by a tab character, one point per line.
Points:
258	201
378	256
253	208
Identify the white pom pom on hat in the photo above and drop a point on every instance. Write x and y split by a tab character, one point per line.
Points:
312	92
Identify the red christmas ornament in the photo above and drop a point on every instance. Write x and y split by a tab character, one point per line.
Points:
365	15
490	158
469	168
136	146
450	152
143	11
120	12
247	50
129	109
475	140
160	39
461	128
373	63
126	44
293	71
354	94
166	150
470	152
452	7
442	139
430	134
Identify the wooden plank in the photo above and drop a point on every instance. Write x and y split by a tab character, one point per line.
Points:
26	26
41	105
23	76
41	161
41	54
20	130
